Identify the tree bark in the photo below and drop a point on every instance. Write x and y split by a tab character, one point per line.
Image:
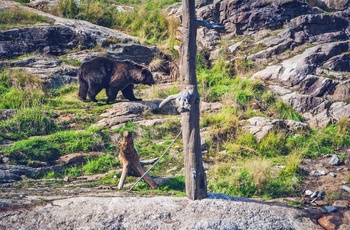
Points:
194	172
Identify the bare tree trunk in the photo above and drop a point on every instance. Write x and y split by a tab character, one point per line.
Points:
194	172
131	161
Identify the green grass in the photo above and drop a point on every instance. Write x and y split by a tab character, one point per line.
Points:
20	89
100	165
145	21
13	16
27	122
49	148
252	177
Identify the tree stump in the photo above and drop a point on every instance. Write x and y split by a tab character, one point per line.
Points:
130	160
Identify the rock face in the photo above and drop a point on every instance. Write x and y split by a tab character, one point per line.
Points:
216	212
297	82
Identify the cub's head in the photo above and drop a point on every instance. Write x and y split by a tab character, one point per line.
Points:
147	77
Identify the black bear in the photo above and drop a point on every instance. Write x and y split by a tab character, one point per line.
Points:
113	75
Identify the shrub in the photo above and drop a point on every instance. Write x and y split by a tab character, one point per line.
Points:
285	111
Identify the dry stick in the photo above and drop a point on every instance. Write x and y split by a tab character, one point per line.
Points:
157	160
131	160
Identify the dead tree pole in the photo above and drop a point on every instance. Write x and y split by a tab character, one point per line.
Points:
194	172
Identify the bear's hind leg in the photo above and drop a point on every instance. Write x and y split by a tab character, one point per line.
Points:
83	88
111	94
128	93
93	91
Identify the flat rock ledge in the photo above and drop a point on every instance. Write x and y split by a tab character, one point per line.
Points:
216	212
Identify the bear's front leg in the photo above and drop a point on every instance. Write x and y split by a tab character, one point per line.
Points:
128	93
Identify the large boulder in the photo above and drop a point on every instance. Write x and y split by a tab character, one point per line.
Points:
216	212
308	92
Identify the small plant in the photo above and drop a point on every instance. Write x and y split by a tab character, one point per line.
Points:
273	144
285	111
49	175
72	62
73	172
342	156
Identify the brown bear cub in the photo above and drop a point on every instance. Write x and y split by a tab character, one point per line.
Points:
113	75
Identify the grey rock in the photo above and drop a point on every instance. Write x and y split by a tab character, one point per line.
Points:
6	113
122	112
318	173
219	211
261	126
346	188
334	160
332	174
330	209
308	192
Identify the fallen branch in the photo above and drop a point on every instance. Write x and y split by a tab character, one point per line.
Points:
168	99
130	160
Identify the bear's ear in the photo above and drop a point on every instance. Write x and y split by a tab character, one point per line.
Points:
145	72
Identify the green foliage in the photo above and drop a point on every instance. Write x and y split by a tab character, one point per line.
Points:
27	122
145	21
174	184
96	12
72	62
251	178
273	144
73	172
13	16
286	112
68	8
51	147
217	82
243	65
23	1
223	124
128	126
34	149
324	141
157	92
19	89
49	175
100	165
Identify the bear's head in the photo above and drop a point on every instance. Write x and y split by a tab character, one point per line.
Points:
147	77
